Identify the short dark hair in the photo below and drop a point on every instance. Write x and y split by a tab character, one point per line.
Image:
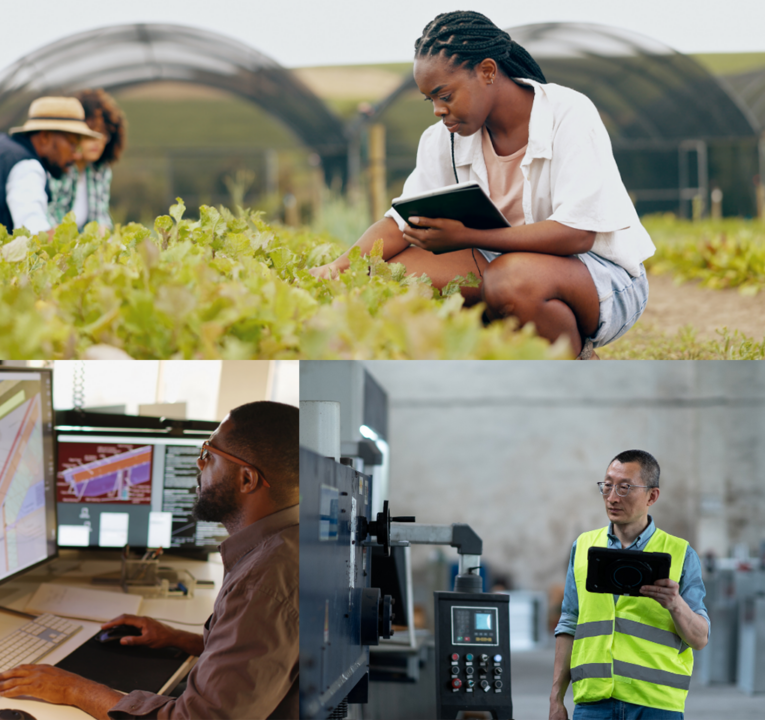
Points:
98	103
649	467
266	434
467	38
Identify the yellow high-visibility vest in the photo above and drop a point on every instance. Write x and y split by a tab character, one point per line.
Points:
629	650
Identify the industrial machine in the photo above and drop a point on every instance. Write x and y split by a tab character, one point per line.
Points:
334	652
341	615
343	517
473	654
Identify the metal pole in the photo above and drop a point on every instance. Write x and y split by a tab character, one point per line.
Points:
421	534
703	175
761	183
354	165
682	160
469	564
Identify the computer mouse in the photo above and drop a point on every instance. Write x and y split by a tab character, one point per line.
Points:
8	714
114	634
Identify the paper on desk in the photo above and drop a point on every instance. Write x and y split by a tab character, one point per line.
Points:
82	603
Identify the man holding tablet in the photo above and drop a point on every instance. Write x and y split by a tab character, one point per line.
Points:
629	657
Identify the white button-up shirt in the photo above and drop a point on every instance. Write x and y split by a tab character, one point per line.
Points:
26	196
569	174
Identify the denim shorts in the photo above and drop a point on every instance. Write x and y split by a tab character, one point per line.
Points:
622	297
618	710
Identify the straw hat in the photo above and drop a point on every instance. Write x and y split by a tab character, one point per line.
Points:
64	114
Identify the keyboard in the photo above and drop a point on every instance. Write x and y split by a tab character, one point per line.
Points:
37	638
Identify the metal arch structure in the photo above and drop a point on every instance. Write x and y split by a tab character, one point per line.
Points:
646	92
119	56
750	87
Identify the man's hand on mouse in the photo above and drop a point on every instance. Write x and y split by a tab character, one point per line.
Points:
45	682
154	634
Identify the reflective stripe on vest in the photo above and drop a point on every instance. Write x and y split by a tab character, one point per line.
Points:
629	650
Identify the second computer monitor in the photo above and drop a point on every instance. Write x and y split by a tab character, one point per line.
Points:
113	491
27	493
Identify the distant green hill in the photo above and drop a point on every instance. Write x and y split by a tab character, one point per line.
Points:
731	63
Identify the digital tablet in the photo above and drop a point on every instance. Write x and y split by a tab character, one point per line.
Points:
624	572
465	202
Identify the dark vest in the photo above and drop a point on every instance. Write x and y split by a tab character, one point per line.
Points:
13	150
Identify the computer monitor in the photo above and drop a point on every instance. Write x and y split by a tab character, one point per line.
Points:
27	470
130	488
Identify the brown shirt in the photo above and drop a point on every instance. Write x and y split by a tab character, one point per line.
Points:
249	667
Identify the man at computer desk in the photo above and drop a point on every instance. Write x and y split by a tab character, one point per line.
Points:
248	654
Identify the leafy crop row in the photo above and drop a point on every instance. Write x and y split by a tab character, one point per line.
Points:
726	253
228	287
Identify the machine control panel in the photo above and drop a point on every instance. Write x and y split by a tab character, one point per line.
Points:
473	653
482	673
474	625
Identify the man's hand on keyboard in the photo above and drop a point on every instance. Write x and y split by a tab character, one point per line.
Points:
155	634
59	687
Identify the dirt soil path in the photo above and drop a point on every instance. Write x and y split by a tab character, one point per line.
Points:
671	306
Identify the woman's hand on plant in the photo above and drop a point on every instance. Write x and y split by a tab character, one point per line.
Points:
436	234
327	272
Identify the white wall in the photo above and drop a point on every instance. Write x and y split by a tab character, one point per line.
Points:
515	449
208	387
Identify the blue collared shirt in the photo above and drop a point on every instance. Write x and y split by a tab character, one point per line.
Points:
691	585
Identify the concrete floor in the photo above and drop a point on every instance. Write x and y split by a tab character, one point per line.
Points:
531	674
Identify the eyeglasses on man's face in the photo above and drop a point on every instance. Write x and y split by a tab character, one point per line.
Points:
622	489
207	450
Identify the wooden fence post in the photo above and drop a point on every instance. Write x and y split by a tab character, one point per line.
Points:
377	181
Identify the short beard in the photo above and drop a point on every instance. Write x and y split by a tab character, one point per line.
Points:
217	503
55	171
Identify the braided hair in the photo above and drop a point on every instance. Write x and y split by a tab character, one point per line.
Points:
468	38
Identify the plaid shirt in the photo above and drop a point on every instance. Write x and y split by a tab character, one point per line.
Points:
62	193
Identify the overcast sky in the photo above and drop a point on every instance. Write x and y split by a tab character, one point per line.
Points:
300	33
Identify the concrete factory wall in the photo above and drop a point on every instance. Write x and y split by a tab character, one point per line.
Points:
515	450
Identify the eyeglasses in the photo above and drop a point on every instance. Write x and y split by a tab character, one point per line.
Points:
622	489
207	449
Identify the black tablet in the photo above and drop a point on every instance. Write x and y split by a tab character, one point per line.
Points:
624	572
465	202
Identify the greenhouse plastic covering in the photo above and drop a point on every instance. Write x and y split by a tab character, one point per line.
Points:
647	93
123	55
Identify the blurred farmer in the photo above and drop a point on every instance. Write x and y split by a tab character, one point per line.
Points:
86	186
48	141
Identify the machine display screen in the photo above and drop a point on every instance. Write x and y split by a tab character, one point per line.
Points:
483	621
474	625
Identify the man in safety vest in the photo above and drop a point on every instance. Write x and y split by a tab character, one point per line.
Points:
629	657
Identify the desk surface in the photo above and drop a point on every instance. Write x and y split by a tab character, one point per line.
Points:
77	569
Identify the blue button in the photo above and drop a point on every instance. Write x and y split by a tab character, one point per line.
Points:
497	658
469	657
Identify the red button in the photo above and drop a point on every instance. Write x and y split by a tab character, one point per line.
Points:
456	683
455	656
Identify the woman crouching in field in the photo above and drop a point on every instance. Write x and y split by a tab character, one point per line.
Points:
571	262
